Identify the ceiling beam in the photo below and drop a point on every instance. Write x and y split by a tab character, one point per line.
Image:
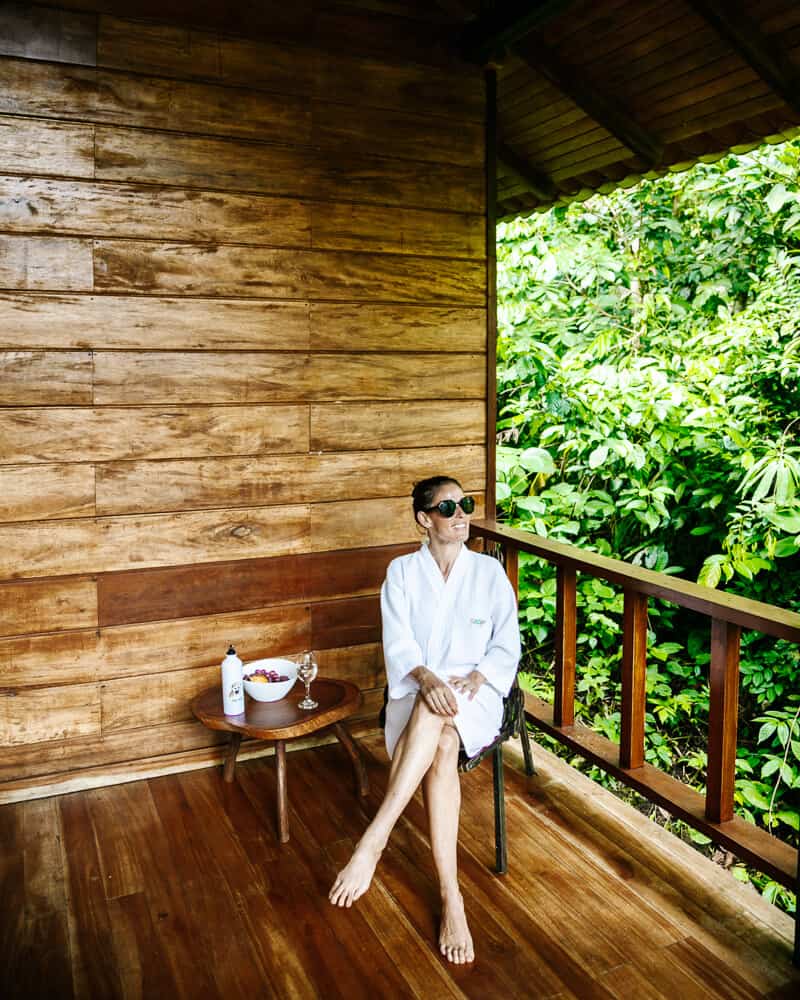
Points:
763	54
532	177
488	35
602	109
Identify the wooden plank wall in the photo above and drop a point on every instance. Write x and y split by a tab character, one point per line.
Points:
242	310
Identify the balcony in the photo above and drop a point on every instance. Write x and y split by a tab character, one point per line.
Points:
176	886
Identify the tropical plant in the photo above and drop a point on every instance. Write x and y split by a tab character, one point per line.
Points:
648	400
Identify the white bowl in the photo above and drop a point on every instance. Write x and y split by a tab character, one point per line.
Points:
274	690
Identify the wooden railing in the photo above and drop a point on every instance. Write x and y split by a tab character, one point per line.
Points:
712	813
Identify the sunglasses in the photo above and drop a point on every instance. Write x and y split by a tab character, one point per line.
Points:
448	507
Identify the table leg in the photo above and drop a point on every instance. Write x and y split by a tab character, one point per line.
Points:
347	741
230	756
283	807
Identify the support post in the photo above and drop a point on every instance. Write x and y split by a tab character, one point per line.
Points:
722	720
566	642
511	560
490	501
634	679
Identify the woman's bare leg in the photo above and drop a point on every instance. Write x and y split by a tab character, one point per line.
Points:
420	742
442	789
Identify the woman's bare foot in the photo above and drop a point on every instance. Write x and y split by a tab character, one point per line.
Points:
354	879
455	940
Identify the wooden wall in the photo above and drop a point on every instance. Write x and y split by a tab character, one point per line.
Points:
242	310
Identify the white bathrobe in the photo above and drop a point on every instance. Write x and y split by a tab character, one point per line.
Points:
467	622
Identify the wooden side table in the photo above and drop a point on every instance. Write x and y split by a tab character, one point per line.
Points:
282	720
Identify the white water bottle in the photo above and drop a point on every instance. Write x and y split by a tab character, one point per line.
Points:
232	686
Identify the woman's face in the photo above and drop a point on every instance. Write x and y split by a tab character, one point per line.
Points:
446	529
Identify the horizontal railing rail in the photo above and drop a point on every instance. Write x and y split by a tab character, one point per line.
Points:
712	813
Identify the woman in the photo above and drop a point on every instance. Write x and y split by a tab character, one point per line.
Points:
451	647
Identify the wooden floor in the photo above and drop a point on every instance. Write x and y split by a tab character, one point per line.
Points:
175	886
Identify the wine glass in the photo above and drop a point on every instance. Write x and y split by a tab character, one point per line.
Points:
307	671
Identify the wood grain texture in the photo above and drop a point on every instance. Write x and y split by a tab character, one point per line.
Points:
188	644
112	750
722	720
220	270
415	137
33	146
139	487
46	492
634	680
33	32
188	53
200	161
45	205
674	926
399	376
354	80
35	716
352	426
28	89
365	523
29	321
169	377
565	653
47	263
31	378
348	622
394	230
39	89
168	49
62	548
362	664
440	186
133	702
181	592
231	164
107	434
163	319
50	661
361	326
47	606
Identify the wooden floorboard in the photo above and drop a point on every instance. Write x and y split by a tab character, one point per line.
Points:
176	886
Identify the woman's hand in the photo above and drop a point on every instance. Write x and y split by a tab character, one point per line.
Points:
436	694
468	685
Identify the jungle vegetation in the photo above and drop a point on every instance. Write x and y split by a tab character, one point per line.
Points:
649	409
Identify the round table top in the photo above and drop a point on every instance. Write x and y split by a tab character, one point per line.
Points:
281	720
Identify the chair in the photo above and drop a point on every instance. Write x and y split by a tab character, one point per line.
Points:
512	724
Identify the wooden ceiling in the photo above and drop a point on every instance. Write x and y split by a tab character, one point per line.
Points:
595	93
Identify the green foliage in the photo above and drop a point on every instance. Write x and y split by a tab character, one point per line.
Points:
649	387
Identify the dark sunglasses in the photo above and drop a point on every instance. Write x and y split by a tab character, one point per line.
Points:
448	507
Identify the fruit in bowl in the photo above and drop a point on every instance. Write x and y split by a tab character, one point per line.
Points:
270	679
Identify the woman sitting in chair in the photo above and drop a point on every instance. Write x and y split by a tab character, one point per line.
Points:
451	646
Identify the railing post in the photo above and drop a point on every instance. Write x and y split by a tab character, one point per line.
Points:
511	560
634	679
566	639
722	720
